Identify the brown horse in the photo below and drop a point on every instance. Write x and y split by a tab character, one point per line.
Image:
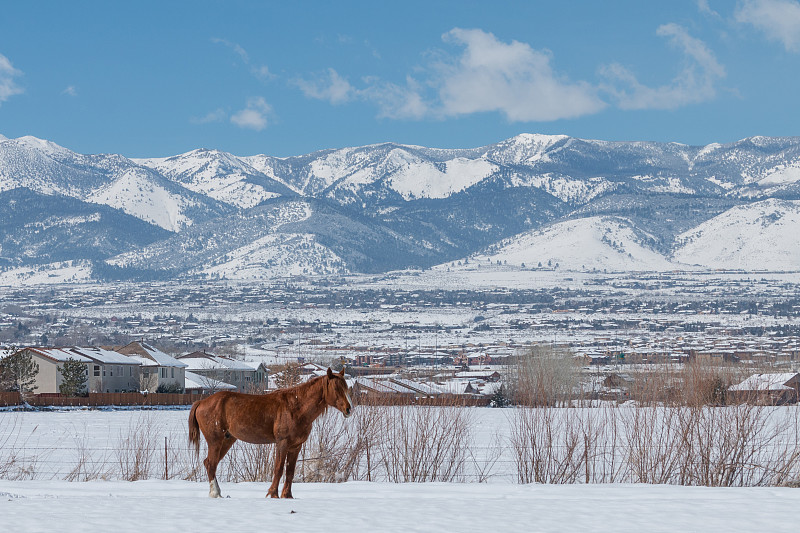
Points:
283	417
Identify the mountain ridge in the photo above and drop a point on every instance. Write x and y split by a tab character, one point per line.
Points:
391	206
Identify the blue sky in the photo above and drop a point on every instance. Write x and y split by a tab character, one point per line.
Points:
288	78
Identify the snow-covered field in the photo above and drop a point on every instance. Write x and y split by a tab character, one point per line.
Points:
44	501
166	506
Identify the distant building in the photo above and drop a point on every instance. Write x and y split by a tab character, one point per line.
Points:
50	361
109	371
159	372
242	376
198	384
769	389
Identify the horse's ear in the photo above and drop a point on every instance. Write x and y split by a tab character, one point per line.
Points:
330	373
341	372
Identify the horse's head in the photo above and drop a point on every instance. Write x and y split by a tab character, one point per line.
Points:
337	393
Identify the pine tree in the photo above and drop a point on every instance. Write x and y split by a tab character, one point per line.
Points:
18	371
73	378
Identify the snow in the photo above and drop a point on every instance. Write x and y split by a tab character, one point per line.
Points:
218	175
136	195
414	178
360	506
594	242
781	175
757	236
527	148
276	255
49	274
764	382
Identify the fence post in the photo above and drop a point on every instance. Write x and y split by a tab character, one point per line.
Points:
166	460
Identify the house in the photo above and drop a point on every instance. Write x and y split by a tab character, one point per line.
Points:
261	375
223	369
159	372
198	384
768	389
485	375
50	362
109	371
293	375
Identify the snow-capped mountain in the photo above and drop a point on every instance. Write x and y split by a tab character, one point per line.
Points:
529	199
112	180
219	175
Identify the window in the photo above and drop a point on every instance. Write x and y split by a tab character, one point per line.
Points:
164	373
97	370
173	372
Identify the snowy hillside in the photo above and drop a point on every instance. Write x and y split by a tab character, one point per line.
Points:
603	243
275	255
759	236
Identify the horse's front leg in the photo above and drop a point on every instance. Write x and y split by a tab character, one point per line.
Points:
281	448
291	462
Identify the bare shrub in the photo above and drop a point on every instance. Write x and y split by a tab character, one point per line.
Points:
137	449
87	466
657	445
558	445
483	464
544	375
249	462
15	463
331	453
424	443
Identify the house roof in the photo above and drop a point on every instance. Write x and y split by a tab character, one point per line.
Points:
213	362
194	382
100	355
766	382
59	355
144	350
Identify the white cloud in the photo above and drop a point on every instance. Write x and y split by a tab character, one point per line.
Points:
397	101
218	115
70	91
487	76
8	86
510	78
259	71
254	116
694	84
779	20
704	7
330	87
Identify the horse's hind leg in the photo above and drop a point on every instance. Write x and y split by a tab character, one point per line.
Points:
215	454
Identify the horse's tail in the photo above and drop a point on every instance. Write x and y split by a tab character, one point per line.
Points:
194	428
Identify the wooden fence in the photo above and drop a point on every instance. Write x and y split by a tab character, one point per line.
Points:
440	400
101	399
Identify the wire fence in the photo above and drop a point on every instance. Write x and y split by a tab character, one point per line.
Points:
732	446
